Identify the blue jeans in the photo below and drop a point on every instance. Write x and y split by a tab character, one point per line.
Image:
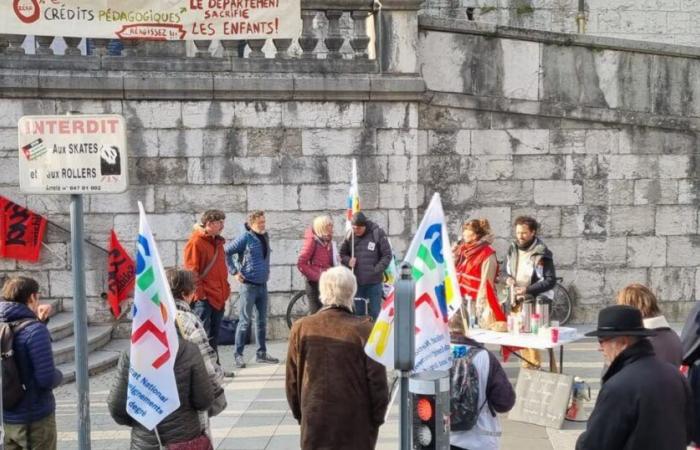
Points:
373	293
251	296
211	319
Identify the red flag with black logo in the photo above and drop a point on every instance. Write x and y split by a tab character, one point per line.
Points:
120	271
21	231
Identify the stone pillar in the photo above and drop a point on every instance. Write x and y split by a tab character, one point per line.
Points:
398	36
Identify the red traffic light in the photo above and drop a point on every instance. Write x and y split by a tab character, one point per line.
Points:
424	409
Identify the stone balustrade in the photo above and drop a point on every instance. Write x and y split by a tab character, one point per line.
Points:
331	30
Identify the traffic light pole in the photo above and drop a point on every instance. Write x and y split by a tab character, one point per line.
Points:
404	354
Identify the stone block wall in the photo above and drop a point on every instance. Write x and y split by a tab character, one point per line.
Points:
668	21
291	159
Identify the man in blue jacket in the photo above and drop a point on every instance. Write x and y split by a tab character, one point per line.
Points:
248	259
32	422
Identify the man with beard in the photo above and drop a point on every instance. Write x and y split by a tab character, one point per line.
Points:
531	274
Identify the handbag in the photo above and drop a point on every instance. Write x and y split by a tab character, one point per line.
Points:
201	442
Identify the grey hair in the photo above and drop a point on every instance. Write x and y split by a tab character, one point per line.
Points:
337	287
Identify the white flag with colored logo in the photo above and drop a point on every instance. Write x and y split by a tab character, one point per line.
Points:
152	393
437	297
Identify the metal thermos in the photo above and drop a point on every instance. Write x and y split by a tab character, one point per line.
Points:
526	314
542	308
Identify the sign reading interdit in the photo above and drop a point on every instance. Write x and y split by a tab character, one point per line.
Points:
76	154
157	20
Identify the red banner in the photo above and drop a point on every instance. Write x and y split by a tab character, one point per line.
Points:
120	272
21	231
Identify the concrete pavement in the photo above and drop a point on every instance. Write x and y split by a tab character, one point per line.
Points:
258	417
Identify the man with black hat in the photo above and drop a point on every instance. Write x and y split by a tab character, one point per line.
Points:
367	252
644	403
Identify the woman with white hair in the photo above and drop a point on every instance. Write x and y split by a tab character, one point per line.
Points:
316	256
337	394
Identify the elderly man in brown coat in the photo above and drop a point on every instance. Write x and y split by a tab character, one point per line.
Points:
337	394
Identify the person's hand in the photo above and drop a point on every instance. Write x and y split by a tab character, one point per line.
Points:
519	291
352	262
43	312
510	281
239	277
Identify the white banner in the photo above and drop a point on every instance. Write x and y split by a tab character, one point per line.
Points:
152	393
157	20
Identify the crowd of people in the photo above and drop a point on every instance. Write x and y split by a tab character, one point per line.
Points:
335	391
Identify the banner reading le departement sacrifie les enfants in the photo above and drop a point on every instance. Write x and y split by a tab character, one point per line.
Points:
157	20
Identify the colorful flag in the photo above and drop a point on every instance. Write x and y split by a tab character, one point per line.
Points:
152	393
21	231
120	274
437	297
353	196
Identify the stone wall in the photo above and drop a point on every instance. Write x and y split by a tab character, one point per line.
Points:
291	159
596	137
668	21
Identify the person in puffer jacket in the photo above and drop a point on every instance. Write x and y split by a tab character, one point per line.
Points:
248	259
316	256
193	387
367	252
32	422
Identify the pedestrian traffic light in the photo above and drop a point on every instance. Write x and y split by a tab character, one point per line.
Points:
430	398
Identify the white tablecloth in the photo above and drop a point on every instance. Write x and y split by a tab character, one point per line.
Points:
525	340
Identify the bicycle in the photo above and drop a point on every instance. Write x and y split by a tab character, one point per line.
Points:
298	307
562	305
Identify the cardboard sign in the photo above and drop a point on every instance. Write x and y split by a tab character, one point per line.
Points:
541	398
78	154
156	20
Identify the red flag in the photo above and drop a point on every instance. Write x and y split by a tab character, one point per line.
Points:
21	231
120	272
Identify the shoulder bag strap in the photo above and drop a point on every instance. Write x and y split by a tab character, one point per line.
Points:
206	270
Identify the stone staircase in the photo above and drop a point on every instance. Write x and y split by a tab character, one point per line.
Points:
103	351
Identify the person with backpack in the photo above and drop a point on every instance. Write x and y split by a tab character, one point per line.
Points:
479	389
29	374
316	256
477	269
367	252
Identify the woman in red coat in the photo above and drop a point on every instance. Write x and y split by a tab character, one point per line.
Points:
477	267
317	255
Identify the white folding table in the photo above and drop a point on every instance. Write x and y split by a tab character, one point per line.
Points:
525	340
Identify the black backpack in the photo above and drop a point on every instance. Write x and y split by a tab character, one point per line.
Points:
464	392
12	388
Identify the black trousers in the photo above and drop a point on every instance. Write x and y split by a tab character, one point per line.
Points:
313	294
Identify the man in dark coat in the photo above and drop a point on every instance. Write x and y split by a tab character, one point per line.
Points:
644	403
367	252
336	392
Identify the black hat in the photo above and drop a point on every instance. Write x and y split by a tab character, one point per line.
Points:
620	320
359	219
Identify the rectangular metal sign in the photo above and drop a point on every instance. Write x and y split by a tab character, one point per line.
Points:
72	154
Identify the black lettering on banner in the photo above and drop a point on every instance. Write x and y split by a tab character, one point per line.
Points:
17	229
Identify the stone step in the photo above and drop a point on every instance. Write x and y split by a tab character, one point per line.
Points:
64	349
61	325
98	361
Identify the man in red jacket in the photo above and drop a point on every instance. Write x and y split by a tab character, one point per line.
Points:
204	255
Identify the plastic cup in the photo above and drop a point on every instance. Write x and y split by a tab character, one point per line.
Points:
555	335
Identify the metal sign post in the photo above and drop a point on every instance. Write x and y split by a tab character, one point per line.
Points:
80	320
404	343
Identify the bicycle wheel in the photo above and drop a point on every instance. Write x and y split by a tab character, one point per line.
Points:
298	307
561	305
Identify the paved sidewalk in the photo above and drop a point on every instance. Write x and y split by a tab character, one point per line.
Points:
258	417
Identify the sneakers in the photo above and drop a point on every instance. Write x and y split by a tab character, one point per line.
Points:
265	358
229	374
238	361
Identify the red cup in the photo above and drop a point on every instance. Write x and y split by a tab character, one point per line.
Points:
555	335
